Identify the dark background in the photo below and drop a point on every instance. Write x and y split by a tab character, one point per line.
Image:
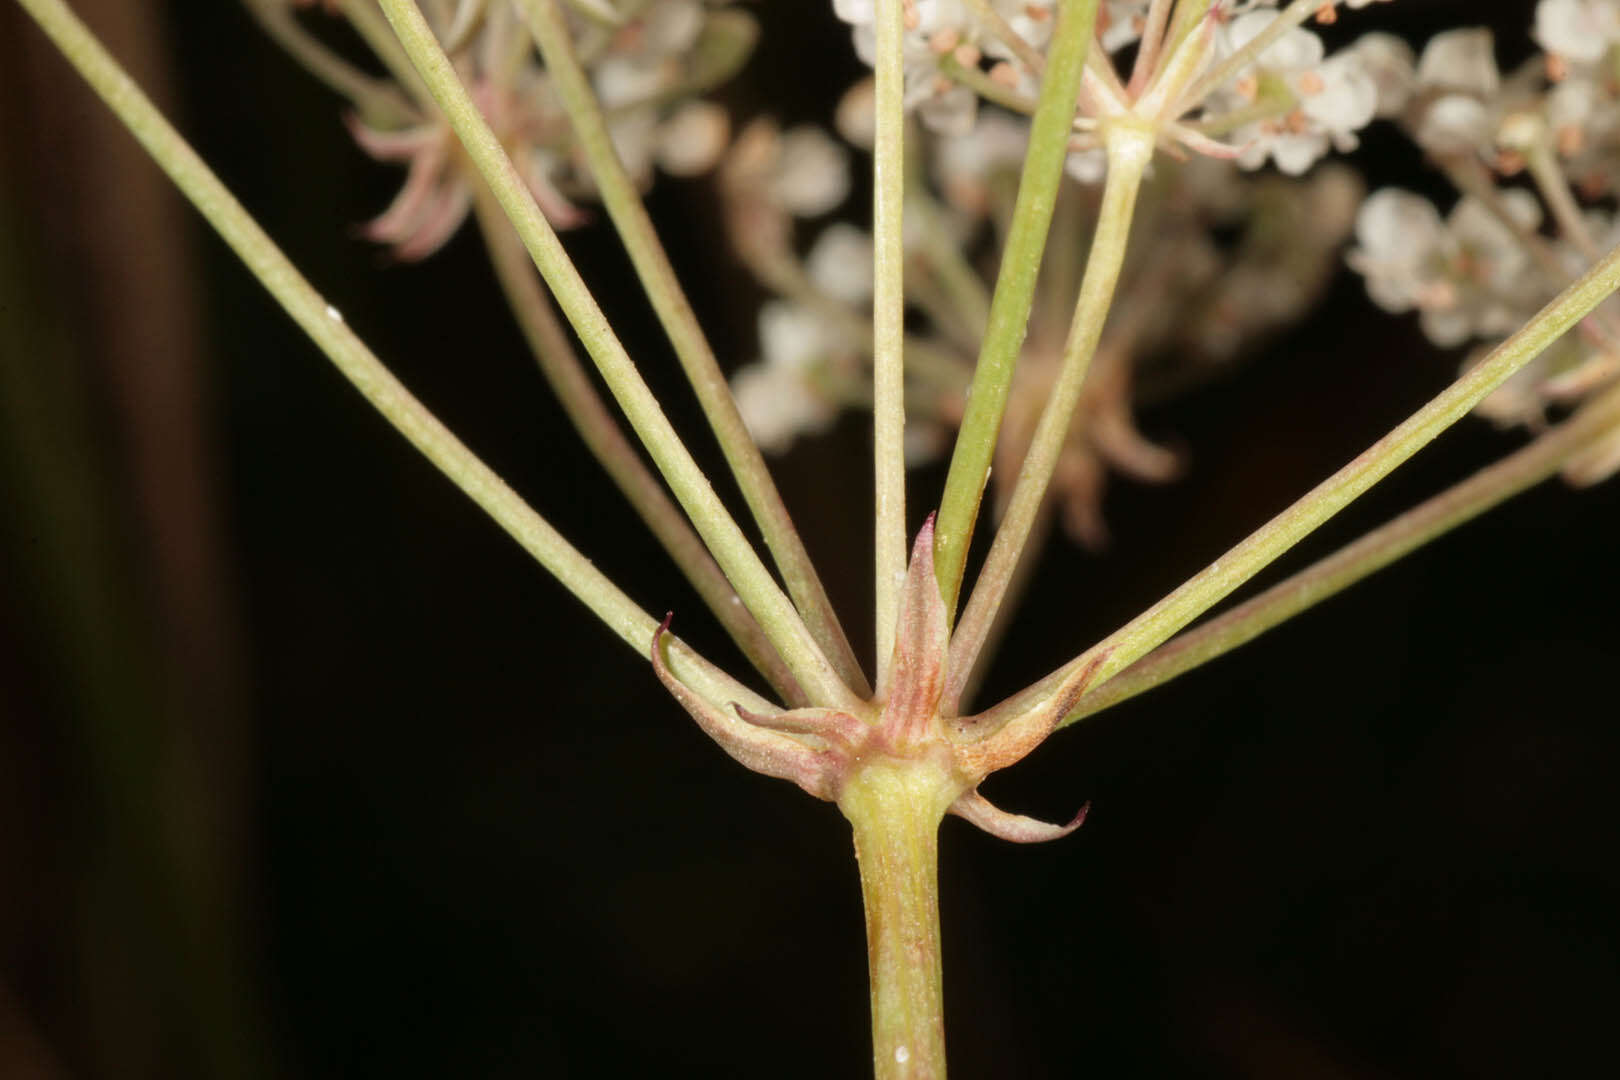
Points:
305	769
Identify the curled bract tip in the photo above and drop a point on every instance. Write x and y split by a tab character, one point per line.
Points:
1018	828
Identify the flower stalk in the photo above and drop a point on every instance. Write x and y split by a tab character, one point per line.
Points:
357	363
1130	149
1201	592
692	489
1014	294
1435	517
629	215
888	329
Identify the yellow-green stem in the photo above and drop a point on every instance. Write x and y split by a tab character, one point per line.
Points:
1014	294
691	487
1129	151
895	808
550	29
1207	588
599	430
358	364
888	331
1328	577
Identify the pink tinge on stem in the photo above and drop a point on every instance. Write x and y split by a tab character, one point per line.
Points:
755	746
916	677
975	808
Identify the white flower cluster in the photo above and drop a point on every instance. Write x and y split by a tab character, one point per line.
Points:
1290	104
1469	275
944	32
1489	265
647	73
1317	101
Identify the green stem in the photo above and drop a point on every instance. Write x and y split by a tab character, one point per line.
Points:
985	86
888	331
1207	588
599	430
1550	181
895	808
964	289
357	363
1015	290
640	238
714	523
368	23
1129	149
1489	487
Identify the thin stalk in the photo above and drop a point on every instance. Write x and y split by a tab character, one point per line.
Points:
1491	486
1027	54
367	21
1023	577
986	87
896	809
1470	177
714	523
550	29
1151	48
599	430
1292	16
1554	188
376	101
357	363
1129	151
969	298
888	330
1207	588
1015	290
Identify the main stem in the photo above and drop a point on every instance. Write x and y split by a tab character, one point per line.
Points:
896	808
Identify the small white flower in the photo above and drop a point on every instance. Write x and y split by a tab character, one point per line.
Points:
1392	66
1455	124
777	406
777	397
693	138
812	173
1462	62
1469	277
1399	236
840	263
965	164
1332	98
1577	30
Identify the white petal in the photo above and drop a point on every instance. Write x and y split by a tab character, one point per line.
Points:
1462	61
840	263
812	173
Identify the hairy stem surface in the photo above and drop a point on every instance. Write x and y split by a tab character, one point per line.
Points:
896	809
731	549
598	428
1015	293
546	21
1129	151
358	364
1456	506
1207	588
